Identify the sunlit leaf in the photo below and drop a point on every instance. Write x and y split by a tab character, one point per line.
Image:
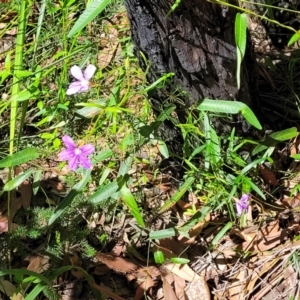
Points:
19	158
132	205
91	12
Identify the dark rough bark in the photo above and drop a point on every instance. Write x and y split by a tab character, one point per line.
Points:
196	42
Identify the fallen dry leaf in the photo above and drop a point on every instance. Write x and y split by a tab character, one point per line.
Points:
268	176
118	264
197	289
183	271
7	288
168	290
26	193
38	264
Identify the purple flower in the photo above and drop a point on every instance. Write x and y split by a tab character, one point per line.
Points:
242	204
76	155
82	84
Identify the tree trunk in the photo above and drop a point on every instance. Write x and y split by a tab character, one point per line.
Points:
196	43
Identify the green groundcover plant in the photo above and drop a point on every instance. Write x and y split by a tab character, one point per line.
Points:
59	106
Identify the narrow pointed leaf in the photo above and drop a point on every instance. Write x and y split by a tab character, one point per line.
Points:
91	12
77	188
178	195
19	158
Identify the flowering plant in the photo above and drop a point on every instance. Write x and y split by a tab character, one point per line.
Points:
82	83
76	155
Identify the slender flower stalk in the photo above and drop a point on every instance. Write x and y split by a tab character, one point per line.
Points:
76	155
242	204
82	82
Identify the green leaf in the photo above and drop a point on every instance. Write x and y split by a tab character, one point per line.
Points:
132	205
14	183
296	156
159	257
179	260
230	107
285	135
19	158
240	32
196	218
163	149
91	12
162	234
294	38
221	233
103	155
178	195
77	188
19	272
36	181
104	193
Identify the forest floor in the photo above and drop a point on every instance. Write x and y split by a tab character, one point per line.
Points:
222	221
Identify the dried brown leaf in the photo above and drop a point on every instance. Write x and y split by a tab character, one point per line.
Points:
118	264
7	288
198	289
268	176
168	290
26	193
38	264
183	271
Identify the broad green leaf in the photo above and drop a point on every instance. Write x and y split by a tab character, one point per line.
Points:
77	188
132	205
163	149
178	195
104	193
294	38
159	257
230	107
91	12
19	158
285	135
162	234
14	183
22	96
179	260
296	156
250	117
125	166
221	233
104	154
274	138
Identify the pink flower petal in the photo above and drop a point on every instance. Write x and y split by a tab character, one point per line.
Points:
77	73
69	143
85	162
89	72
87	149
74	88
73	163
66	154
